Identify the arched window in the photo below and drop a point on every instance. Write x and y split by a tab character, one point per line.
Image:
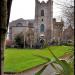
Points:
42	12
42	28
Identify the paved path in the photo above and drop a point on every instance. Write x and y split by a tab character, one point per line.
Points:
29	72
48	71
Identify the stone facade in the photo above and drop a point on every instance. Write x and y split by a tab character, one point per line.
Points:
68	34
57	30
44	15
43	26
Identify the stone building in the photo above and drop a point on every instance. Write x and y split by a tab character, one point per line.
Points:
44	27
68	34
57	30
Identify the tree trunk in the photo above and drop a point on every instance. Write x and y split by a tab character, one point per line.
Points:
3	28
2	54
5	6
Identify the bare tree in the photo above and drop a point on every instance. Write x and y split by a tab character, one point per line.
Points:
5	6
67	9
68	13
30	37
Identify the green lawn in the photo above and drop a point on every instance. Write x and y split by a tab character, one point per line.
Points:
17	60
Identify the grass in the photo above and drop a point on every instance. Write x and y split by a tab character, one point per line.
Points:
17	60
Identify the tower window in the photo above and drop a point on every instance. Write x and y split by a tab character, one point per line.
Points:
42	28
42	12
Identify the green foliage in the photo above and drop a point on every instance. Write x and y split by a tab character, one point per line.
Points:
63	63
19	41
54	42
66	67
68	43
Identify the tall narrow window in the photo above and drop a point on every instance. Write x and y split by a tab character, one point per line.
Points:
42	12
42	28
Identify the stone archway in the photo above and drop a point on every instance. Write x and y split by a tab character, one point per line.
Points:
42	40
42	43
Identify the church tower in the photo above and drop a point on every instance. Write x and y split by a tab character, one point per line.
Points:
43	19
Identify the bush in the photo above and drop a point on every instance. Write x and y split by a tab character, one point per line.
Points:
37	45
19	43
68	44
54	42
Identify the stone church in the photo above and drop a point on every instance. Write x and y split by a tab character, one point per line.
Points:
43	27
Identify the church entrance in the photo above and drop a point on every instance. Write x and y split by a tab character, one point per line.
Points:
42	40
42	43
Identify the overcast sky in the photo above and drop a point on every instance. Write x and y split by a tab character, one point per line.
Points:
26	9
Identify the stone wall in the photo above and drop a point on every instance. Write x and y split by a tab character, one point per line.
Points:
68	34
57	30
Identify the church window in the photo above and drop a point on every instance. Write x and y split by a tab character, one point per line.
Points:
42	28
42	12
